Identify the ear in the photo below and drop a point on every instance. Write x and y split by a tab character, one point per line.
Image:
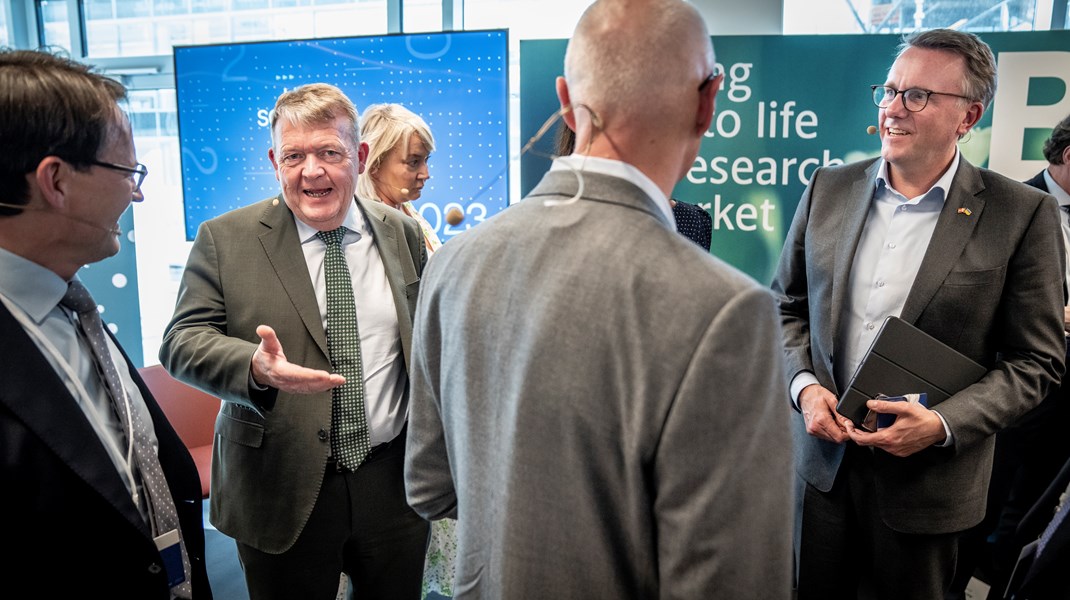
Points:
707	104
52	178
973	115
567	115
274	164
1066	155
362	156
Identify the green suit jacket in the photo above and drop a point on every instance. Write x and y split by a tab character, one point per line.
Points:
246	268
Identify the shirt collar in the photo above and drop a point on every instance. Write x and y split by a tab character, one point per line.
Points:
33	288
1063	196
938	191
354	222
619	169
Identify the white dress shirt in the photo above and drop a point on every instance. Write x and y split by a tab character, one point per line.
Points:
1063	197
580	164
385	380
886	262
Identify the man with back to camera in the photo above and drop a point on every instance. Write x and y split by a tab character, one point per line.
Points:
596	399
964	254
297	312
89	460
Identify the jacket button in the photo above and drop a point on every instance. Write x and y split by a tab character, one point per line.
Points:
155	568
322	435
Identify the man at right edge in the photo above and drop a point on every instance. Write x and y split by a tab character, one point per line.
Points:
962	253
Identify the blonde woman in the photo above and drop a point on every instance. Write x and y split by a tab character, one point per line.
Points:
399	144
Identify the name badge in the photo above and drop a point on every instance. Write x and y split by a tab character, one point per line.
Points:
170	547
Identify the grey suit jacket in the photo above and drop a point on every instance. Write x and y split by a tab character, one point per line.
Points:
989	285
246	268
599	401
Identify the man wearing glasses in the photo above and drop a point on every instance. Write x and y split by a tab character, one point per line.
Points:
970	257
88	456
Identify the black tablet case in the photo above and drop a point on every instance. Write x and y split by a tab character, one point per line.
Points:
905	360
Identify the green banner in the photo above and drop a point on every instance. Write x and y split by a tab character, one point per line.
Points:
791	104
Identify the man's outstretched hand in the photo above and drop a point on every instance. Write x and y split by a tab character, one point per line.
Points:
271	369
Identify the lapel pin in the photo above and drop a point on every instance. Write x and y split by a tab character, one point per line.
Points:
965	211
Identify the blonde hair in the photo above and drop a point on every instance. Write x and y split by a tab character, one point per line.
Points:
384	127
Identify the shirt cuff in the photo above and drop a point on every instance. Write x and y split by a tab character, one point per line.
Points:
801	380
949	440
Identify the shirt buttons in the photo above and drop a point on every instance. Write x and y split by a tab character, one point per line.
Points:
892	245
880	284
870	326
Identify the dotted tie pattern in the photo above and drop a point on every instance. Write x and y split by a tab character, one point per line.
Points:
350	441
162	512
1056	521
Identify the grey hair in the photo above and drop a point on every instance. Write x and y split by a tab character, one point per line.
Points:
315	104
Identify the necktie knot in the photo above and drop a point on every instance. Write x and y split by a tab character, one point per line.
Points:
78	298
332	237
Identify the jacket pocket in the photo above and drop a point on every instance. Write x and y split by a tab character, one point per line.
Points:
240	425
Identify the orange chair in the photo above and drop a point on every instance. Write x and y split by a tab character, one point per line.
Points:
191	412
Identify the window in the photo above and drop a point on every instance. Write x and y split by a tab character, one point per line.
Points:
900	16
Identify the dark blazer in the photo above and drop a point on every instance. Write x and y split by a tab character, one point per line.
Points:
987	286
246	268
1038	182
68	520
1045	576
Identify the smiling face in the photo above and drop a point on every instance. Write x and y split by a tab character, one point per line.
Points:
317	166
401	174
919	146
100	195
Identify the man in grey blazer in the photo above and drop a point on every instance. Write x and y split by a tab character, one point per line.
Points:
970	257
596	399
250	326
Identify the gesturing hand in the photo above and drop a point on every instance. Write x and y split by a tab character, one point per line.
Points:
270	368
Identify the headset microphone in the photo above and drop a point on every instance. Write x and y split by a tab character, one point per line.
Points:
114	229
871	129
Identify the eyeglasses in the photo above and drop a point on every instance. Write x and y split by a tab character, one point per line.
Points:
707	81
137	173
914	99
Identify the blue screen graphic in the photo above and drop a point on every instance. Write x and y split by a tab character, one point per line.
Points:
458	82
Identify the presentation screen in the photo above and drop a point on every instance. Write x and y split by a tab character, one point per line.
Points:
458	82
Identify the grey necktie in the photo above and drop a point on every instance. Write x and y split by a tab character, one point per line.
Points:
162	515
349	426
1060	515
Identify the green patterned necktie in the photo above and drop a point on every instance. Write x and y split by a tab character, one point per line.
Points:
349	427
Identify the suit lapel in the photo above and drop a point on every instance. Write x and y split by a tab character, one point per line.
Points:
390	242
859	198
283	249
952	233
36	394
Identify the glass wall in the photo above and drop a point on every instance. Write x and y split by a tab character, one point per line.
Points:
899	16
129	38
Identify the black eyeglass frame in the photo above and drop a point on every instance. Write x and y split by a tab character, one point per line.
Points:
140	170
927	93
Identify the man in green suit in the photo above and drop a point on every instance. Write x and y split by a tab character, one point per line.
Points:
251	326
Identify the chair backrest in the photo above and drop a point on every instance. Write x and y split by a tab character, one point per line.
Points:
191	412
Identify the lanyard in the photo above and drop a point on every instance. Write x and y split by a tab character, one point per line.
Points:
89	407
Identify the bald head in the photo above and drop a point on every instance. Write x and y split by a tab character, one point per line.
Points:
639	77
633	59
